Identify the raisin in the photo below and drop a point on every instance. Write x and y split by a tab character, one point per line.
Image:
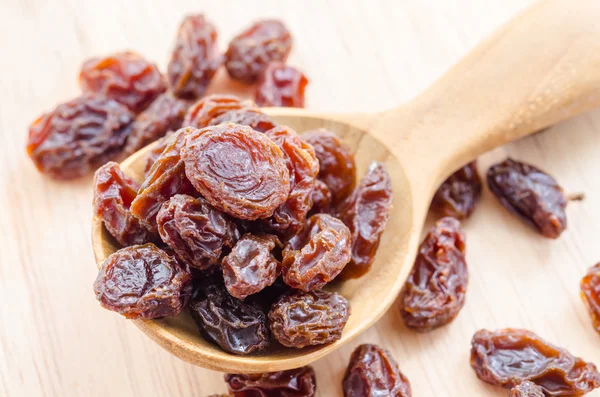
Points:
373	372
236	326
459	194
143	281
302	319
317	254
527	389
78	136
164	114
238	170
195	230
250	51
281	85
200	114
508	357
299	382
195	58
246	116
321	199
336	163
125	77
531	194
250	267
590	293
434	292
270	294
366	213
156	151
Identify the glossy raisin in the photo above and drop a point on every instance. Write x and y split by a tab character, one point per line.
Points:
156	151
251	50
590	293
246	116
527	389
250	267
195	58
508	357
78	136
373	372
301	319
459	194
125	77
281	85
531	194
434	292
143	282
203	112
321	199
317	254
238	170
299	382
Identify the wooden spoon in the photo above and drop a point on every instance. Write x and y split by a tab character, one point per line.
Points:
539	69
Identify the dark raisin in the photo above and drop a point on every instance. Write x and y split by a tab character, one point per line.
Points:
459	194
321	199
299	382
281	85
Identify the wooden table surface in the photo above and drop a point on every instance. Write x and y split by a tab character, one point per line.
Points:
360	56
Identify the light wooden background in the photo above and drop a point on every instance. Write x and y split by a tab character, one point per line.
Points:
360	56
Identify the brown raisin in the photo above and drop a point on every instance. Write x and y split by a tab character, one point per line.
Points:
78	136
238	170
125	77
301	319
156	151
143	281
281	85
366	213
434	292
195	58
299	382
590	293
508	357
527	389
373	372
531	194
321	199
246	116
251	50
201	113
459	194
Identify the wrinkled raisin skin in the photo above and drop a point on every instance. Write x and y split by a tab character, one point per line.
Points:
280	85
373	372
321	199
253	118
125	77
527	389
143	282
531	194
78	136
301	319
238	170
434	292
299	382
156	151
590	293
459	194
250	51
508	357
317	254
203	112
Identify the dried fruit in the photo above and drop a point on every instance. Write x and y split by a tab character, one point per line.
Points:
301	319
373	372
125	77
156	151
246	116
508	357
238	327
366	213
531	194
336	163
250	267
195	230
250	51
459	194
590	293
321	199
143	281
317	254
238	170
299	382
435	290
195	58
78	136
203	112
527	389
281	85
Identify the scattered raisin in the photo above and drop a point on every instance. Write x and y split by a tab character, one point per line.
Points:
317	254
200	114
246	116
250	51
302	319
531	194
590	293
299	382
281	85
459	194
238	170
78	136
435	290
195	58
508	357
527	389
373	372
321	199
143	281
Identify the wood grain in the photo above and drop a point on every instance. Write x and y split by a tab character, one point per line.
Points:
55	341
